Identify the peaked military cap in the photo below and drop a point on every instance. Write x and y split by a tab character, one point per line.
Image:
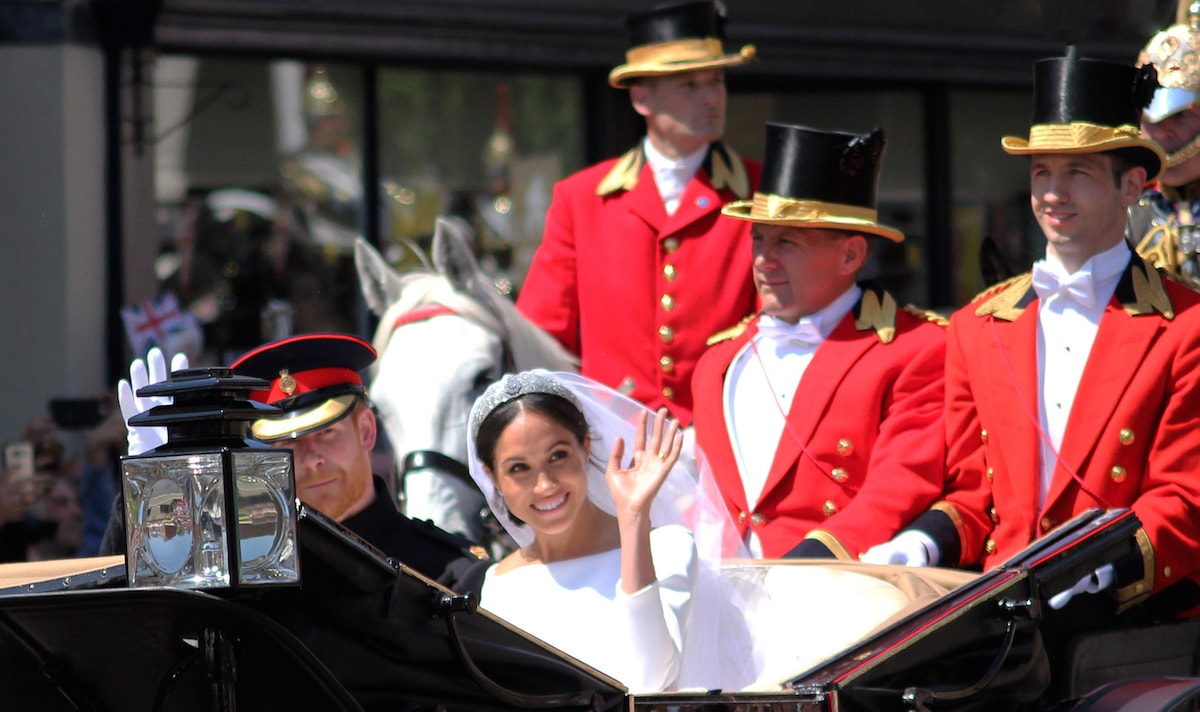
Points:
314	379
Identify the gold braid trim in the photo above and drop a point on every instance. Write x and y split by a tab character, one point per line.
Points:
832	543
767	206
1185	154
1134	593
952	511
1079	133
928	315
686	50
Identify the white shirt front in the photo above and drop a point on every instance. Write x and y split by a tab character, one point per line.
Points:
1066	332
761	387
671	175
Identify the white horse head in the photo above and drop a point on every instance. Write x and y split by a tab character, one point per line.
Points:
444	335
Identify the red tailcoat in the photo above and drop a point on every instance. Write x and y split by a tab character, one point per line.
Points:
869	411
634	292
1131	435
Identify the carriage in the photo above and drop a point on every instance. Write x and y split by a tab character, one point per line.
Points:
363	632
359	631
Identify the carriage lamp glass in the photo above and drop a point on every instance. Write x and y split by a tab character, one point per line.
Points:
209	509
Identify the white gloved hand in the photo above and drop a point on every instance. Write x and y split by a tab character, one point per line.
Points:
909	547
1094	582
141	374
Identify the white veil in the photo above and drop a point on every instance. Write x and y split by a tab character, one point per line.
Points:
719	647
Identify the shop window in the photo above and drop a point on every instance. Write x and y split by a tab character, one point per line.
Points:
485	146
259	181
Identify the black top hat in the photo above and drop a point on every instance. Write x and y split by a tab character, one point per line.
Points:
670	39
314	379
815	178
1090	106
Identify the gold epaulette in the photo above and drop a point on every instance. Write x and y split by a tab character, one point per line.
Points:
731	333
1007	299
927	315
877	312
728	171
1148	293
998	286
624	174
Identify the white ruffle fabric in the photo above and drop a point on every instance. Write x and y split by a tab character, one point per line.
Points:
718	644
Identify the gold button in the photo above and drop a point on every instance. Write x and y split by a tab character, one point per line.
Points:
995	515
671	244
830	508
667	364
1118	473
990	546
1139	587
838	474
1126	436
741	517
991	474
666	333
845	447
1046	524
757	520
667	302
983	435
668	392
1166	572
669	272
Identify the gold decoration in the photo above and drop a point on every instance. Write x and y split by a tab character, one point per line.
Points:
287	383
728	171
1148	291
624	174
1005	297
877	314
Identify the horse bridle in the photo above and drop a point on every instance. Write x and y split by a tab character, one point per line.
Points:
427	459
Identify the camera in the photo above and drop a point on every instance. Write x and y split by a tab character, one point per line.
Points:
78	413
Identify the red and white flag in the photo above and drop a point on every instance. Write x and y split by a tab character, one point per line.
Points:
162	323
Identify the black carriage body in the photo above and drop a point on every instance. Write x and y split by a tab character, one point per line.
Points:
363	633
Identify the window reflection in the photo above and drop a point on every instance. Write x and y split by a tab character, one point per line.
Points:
259	181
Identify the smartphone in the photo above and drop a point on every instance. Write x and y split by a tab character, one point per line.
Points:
78	413
18	460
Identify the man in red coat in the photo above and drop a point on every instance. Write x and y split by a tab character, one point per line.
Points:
1076	385
637	268
822	417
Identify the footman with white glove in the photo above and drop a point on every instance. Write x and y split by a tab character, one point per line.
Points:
141	374
909	548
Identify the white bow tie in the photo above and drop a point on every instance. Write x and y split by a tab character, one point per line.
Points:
1078	287
805	334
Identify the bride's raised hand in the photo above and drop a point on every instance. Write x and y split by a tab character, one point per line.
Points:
634	488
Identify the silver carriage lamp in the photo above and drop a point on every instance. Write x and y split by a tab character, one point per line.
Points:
209	508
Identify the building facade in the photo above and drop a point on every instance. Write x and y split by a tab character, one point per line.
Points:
229	153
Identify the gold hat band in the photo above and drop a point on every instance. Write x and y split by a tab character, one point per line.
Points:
777	207
676	51
1078	133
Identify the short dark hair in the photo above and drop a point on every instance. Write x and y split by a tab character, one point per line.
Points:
558	409
1123	161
